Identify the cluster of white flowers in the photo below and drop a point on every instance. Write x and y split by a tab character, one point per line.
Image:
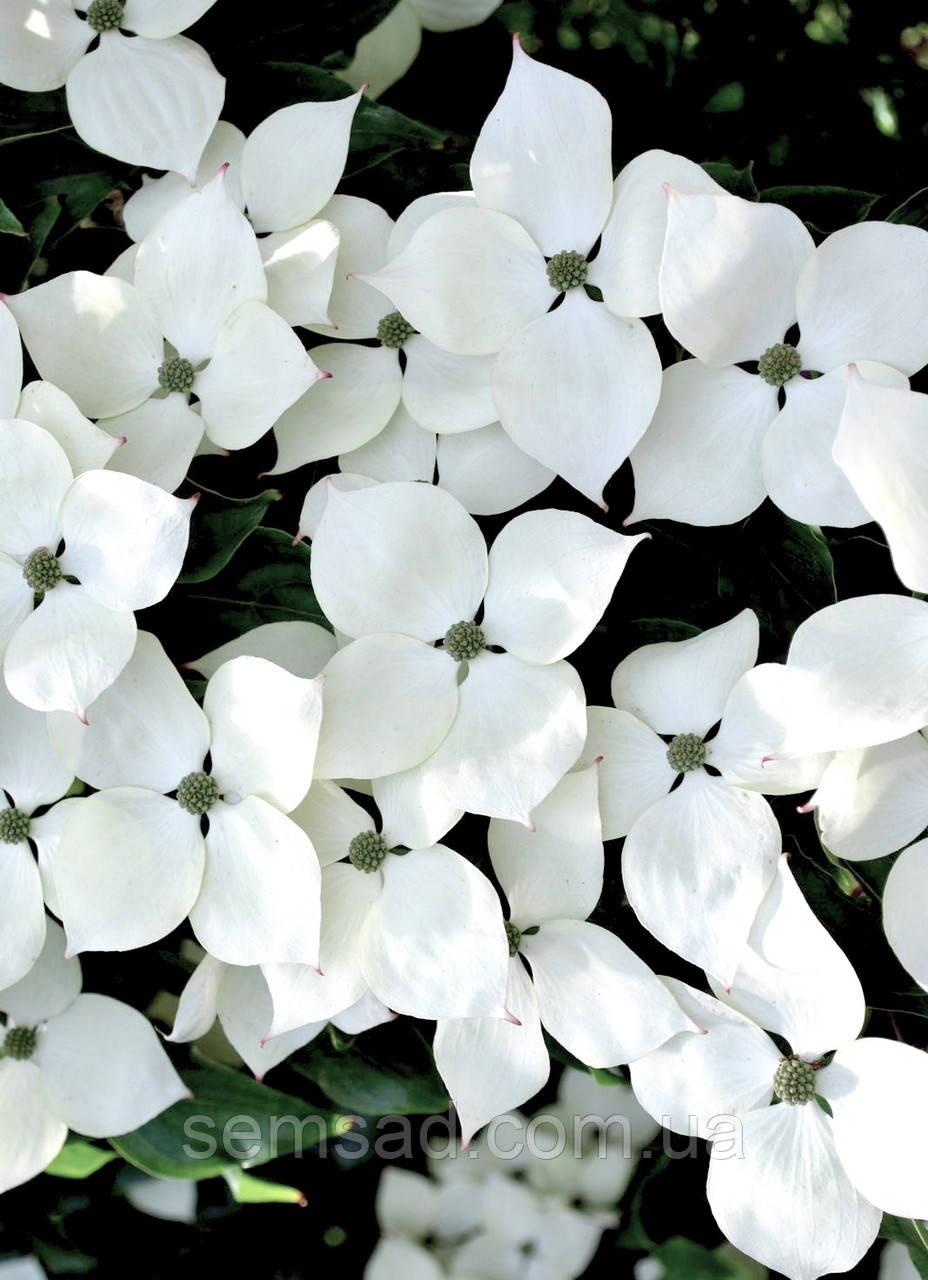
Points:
511	349
531	1198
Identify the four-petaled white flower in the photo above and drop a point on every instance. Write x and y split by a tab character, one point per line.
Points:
151	100
133	861
72	1061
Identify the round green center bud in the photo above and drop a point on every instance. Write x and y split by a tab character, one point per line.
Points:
567	270
514	937
14	826
794	1081
197	792
367	851
394	330
779	363
464	640
42	570
20	1042
104	15
686	752
176	375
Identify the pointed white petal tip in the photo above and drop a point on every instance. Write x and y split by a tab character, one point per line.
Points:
189	1095
324	374
511	1017
121	440
603	506
599	760
82	716
810	805
222	170
298	537
853	373
195	498
669	191
317	969
259	1079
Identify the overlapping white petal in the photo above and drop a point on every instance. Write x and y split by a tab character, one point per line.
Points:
293	160
596	997
873	801
86	446
401	451
264	728
469	279
147	102
681	686
877	1091
433	944
487	472
259	900
83	1055
699	460
543	156
519	728
904	910
551	576
721	256
696	866
129	868
490	1065
399	557
576	388
789	1173
555	871
161	439
388	702
634	772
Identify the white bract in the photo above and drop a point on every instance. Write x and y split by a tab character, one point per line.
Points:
400	566
905	904
238	996
133	862
422	928
699	856
588	989
72	1061
387	51
151	99
194	322
828	1177
735	277
32	776
574	385
124	542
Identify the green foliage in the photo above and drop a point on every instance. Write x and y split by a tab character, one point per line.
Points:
219	527
797	579
738	182
248	1190
266	580
9	224
912	1233
228	1123
390	1072
79	1159
823	208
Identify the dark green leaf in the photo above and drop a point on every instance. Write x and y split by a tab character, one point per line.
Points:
825	208
683	1257
740	182
219	527
913	212
654	630
389	1074
266	580
9	224
912	1233
80	193
231	1121
78	1159
40	228
781	569
23	115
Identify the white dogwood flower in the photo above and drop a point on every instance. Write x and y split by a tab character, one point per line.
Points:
239	997
905	903
67	626
194	322
735	277
72	1061
151	99
400	566
821	1178
587	988
133	860
574	385
701	844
